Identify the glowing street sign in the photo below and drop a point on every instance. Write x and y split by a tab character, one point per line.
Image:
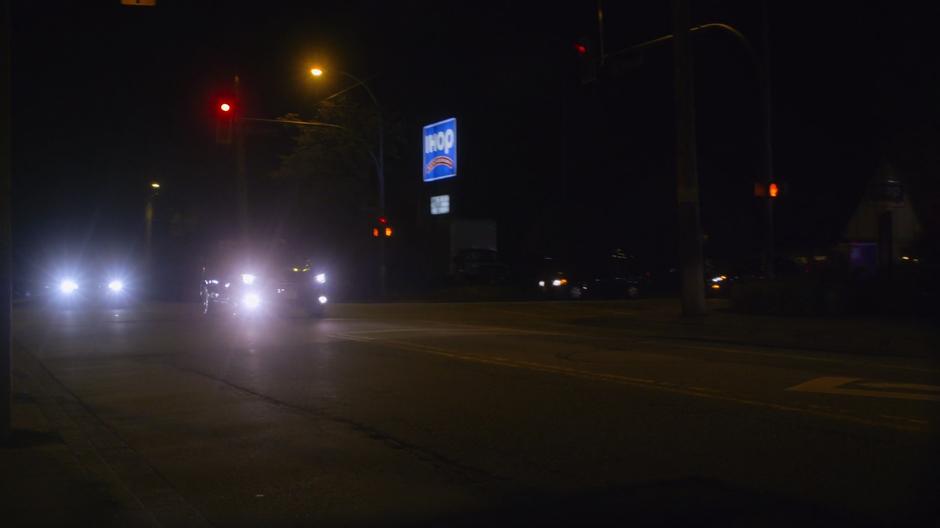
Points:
440	204
440	150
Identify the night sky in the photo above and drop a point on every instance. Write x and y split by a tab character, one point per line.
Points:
108	97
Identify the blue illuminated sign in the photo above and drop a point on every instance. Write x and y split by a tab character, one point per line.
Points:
440	150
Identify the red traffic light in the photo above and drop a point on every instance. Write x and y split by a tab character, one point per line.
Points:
580	48
225	107
383	220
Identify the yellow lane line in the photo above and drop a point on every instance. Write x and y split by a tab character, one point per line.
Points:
844	386
625	380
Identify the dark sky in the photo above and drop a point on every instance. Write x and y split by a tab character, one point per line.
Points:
107	97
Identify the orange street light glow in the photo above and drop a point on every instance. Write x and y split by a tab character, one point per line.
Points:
316	72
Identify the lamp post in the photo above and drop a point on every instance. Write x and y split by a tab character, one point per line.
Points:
318	72
148	224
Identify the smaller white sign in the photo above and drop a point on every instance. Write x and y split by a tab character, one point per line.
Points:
440	204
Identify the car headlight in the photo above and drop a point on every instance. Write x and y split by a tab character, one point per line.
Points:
559	282
116	286
719	278
251	301
542	284
68	286
248	278
320	278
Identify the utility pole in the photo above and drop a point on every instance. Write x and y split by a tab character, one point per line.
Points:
691	272
241	181
6	237
148	235
769	256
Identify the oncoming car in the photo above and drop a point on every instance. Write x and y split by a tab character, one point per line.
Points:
264	289
72	289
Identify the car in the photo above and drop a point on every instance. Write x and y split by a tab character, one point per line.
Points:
89	284
611	275
258	289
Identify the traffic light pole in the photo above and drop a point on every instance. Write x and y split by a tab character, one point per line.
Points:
763	69
769	257
383	267
691	271
241	179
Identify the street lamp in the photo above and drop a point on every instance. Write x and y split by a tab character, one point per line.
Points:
316	72
155	185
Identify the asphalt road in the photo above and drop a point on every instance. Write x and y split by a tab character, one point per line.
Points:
484	414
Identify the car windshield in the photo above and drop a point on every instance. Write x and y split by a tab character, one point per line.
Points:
469	263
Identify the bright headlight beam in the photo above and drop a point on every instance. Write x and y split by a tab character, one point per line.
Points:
248	278
68	286
116	285
251	300
321	278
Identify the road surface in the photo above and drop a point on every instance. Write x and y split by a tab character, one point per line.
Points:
485	413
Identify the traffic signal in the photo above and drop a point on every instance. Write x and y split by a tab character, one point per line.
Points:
224	122
382	228
587	59
769	190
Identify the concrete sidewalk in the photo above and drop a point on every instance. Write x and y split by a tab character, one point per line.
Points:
53	471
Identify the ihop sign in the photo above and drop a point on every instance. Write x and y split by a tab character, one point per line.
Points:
440	150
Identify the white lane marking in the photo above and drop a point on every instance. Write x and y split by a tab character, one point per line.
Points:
838	385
